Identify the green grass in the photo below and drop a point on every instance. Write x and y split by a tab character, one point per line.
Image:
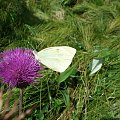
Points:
93	28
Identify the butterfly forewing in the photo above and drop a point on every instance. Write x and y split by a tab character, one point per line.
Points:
57	58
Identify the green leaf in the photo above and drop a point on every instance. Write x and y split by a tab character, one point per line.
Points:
66	97
63	76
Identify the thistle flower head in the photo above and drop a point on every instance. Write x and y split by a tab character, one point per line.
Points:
18	67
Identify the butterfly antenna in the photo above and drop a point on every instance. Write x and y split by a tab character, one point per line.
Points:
31	45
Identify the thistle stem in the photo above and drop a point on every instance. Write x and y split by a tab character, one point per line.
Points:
20	101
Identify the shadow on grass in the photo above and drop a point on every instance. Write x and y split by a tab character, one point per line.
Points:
14	16
109	118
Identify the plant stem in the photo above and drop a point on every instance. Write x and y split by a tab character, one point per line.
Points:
20	101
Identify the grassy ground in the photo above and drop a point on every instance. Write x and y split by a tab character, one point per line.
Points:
93	28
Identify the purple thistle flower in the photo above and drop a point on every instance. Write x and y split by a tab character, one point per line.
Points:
18	67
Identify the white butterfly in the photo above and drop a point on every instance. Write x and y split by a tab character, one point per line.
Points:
56	58
96	65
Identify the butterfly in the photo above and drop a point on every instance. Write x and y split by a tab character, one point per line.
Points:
57	58
96	65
